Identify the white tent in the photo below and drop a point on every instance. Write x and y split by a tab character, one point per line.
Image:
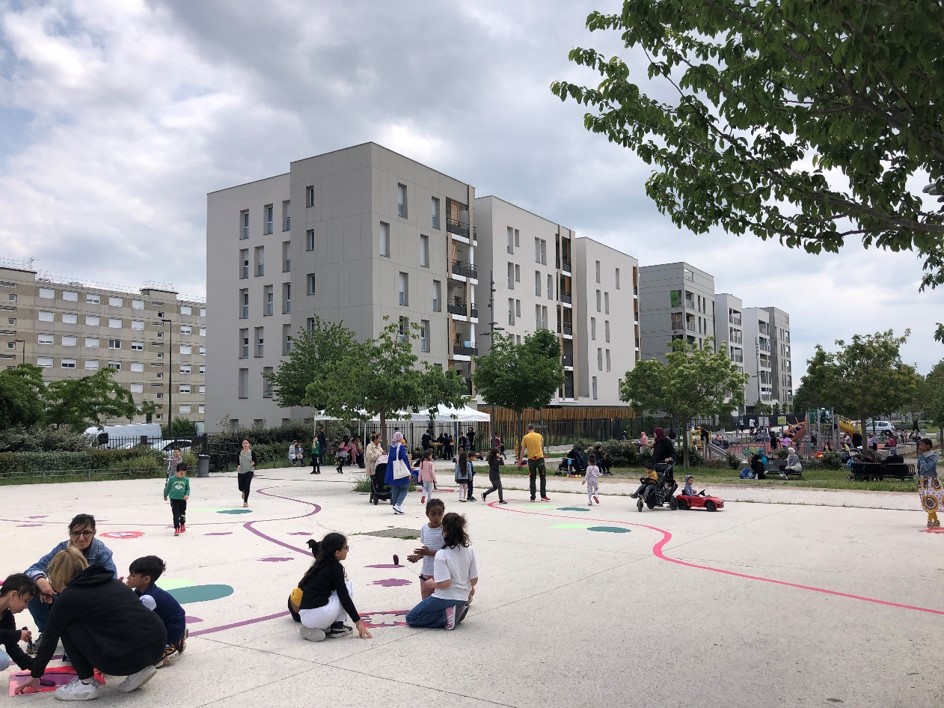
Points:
441	414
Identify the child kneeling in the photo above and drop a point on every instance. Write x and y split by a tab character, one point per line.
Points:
326	594
143	573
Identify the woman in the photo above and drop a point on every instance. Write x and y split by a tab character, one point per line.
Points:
358	445
15	593
326	593
495	462
398	487
662	448
455	575
102	624
82	538
793	460
759	464
245	469
373	452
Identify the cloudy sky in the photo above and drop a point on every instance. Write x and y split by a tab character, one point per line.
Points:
118	116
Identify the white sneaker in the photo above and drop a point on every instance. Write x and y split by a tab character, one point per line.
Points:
75	690
312	635
136	680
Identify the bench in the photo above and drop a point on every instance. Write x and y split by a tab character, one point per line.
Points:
783	472
868	471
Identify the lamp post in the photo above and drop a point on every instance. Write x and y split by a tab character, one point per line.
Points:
170	375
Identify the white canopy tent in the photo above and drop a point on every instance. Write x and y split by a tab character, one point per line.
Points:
441	414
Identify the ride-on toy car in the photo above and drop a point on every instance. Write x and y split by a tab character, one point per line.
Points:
699	501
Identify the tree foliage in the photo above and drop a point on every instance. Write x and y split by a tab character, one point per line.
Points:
90	400
818	385
22	392
797	121
932	395
692	382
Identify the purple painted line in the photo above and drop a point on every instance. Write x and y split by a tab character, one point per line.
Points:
241	623
249	525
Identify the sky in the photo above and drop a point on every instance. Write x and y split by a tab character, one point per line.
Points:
118	116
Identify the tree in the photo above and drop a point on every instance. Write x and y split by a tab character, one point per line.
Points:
147	409
933	397
818	385
692	382
520	376
90	400
797	121
22	393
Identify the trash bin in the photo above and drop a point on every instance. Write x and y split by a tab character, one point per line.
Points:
203	465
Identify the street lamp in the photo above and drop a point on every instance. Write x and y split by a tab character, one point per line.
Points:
170	375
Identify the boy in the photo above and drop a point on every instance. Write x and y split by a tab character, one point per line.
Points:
178	489
143	573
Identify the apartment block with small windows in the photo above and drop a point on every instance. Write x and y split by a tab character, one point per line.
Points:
154	340
676	301
781	366
729	326
362	236
758	356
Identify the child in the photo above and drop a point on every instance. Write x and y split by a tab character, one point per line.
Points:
592	480
495	462
463	471
315	456
431	536
16	592
178	489
929	486
427	477
326	594
143	573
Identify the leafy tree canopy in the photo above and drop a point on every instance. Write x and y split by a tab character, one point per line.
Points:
90	400
807	122
933	395
22	392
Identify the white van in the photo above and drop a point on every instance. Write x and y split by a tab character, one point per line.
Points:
112	436
881	427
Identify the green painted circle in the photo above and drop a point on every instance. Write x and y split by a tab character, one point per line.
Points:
201	593
608	529
573	508
174	583
234	511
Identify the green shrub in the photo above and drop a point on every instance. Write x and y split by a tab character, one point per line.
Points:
141	463
40	439
830	460
622	453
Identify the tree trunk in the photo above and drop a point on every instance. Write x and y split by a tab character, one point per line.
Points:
383	428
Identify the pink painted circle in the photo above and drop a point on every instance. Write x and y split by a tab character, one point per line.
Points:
122	534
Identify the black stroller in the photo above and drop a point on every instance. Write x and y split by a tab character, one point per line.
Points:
379	490
662	491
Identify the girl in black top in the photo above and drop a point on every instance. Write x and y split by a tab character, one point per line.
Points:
17	591
494	475
326	594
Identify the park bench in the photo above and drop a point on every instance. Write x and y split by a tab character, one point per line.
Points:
782	471
866	471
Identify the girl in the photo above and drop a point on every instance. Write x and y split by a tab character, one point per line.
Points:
455	574
342	454
495	462
929	486
427	476
431	536
592	480
245	469
398	487
463	471
315	456
326	594
16	592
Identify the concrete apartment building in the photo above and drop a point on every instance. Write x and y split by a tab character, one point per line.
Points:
154	340
758	360
363	234
676	301
781	366
606	312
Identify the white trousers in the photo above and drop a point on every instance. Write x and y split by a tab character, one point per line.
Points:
323	617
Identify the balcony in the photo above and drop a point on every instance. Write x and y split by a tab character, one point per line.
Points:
566	298
463	350
567	360
468	387
463	269
455	227
459	307
564	264
566	329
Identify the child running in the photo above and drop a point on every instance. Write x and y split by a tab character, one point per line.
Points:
431	536
495	462
929	486
592	480
463	472
143	573
326	594
427	478
16	592
178	489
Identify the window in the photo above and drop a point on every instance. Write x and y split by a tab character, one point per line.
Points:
310	283
93	298
550	287
47	316
286	215
203	389
67	363
243	390
11	320
593	328
70	296
137	324
44	362
114	323
202	370
310	325
606	330
137	304
266	383
511	311
70	318
517	308
599	309
404	289
183	388
286	339
268	301
600	358
511	241
511	276
593	386
114	344
258	256
203	331
435	221
537	317
69	341
424	251
309	196
437	296
243	263
244	344
537	283
267	212
185	409
185	368
243	224
45	339
203	312
286	256
201	409
137	346
540	251
617	279
186	310
384	239
47	294
92	320
186	329
607	359
424	335
186	349
401	201
91	364
259	338
116	365
137	388
92	343
286	298
244	304
11	297
310	240
116	301
137	366
404	329
597	270
606	303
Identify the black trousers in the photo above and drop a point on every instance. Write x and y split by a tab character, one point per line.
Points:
244	479
136	659
178	507
495	479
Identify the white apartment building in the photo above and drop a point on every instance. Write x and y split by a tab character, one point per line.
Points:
676	301
758	360
606	320
154	340
781	367
364	237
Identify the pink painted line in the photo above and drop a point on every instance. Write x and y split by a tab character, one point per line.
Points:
658	552
249	525
241	623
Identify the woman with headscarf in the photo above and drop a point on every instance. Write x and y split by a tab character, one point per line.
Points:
398	486
662	448
759	464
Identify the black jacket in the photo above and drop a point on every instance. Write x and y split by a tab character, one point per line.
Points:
105	621
661	449
10	638
317	589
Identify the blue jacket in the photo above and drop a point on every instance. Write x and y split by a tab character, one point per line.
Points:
168	609
388	475
96	554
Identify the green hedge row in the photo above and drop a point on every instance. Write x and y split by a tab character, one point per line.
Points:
89	459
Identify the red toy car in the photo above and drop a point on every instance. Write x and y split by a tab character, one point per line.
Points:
699	501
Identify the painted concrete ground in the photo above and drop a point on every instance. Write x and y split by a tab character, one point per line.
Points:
785	598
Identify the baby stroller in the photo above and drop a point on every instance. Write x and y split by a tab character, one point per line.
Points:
574	464
662	491
379	490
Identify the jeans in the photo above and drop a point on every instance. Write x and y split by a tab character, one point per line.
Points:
40	611
133	661
5	661
495	479
178	508
536	467
469	487
398	494
431	612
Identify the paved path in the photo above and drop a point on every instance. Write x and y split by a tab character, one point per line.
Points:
799	598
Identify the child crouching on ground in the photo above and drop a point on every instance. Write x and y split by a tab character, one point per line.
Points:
431	536
16	592
592	480
143	573
326	594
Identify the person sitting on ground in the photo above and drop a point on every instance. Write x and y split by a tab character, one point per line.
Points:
16	592
142	575
793	461
758	464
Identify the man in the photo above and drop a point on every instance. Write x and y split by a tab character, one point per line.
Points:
532	445
322	444
427	440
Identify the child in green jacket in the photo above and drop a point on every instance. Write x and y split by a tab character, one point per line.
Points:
178	489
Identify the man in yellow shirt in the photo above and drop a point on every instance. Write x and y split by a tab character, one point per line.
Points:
532	445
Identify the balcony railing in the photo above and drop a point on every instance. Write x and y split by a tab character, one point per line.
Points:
568	360
468	387
564	264
566	297
462	350
456	227
464	269
565	328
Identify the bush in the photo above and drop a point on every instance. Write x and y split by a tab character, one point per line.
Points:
20	462
40	439
734	461
830	460
622	453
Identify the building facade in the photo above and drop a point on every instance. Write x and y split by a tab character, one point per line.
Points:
152	339
676	301
758	363
781	366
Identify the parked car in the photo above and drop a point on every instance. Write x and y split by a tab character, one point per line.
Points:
880	427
